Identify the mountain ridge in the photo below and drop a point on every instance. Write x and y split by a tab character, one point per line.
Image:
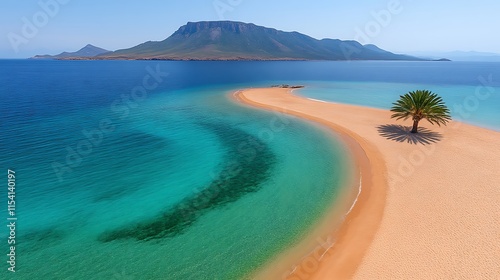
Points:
232	40
88	50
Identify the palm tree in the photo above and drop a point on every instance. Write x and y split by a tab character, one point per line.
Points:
421	104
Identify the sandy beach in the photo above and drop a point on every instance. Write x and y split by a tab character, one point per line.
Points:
429	206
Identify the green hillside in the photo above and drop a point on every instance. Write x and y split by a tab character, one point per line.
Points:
227	40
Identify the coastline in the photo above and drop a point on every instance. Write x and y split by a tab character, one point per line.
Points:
421	202
360	223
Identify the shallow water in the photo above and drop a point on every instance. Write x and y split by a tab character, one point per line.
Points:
186	184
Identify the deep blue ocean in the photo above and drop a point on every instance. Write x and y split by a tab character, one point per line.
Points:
147	169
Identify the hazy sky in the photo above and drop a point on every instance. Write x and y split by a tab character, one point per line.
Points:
29	27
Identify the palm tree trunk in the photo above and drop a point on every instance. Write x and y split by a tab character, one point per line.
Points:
415	126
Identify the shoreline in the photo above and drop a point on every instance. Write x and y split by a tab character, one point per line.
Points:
428	210
359	223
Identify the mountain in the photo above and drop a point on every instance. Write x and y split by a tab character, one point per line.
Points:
87	51
461	56
228	40
374	48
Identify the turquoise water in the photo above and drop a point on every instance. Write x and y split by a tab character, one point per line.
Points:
187	184
177	181
474	104
101	221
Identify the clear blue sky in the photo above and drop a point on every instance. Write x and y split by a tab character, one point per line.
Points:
414	25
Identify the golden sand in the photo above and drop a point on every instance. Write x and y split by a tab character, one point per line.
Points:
429	206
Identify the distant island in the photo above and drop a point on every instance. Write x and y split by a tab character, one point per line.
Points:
85	52
460	55
229	40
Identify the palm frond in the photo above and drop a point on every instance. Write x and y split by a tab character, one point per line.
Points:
421	104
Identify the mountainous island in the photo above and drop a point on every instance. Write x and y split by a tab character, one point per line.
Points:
87	51
229	40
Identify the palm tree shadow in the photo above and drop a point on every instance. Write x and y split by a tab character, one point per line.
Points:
401	133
